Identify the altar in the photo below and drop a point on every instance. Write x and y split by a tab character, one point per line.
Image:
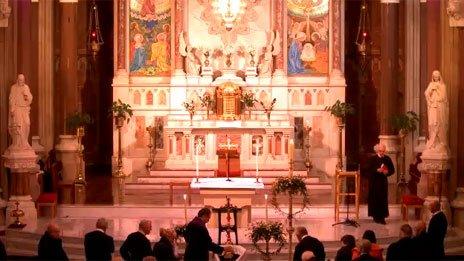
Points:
239	190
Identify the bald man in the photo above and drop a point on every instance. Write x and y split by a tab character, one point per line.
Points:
436	230
137	246
50	244
307	243
98	245
380	168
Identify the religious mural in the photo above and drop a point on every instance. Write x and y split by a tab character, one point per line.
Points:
308	37
150	37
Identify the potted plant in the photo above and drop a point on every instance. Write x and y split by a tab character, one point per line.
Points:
404	124
77	121
341	110
248	100
207	102
268	109
267	231
121	112
190	107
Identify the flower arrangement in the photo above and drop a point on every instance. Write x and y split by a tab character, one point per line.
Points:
248	98
268	109
207	101
189	106
405	123
341	110
121	110
267	231
291	186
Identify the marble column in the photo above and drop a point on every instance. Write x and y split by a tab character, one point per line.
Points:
183	146
458	206
67	94
279	8
120	62
389	76
335	62
46	74
179	27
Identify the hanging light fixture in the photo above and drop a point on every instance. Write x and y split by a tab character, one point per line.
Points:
94	38
361	36
229	11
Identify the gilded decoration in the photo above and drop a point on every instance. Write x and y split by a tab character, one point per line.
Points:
455	12
228	101
215	24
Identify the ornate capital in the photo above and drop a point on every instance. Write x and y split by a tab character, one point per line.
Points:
21	165
5	12
434	164
455	11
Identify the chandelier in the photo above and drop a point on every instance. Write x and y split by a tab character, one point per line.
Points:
94	38
229	11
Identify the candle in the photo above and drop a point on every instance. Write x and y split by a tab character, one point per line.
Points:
185	208
256	159
197	162
291	150
265	198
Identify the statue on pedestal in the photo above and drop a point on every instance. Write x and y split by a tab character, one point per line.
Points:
18	119
437	114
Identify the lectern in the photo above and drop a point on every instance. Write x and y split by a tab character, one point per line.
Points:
228	162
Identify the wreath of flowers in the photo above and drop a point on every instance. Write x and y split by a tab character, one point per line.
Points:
267	231
294	186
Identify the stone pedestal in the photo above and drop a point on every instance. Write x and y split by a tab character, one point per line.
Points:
22	165
433	168
458	206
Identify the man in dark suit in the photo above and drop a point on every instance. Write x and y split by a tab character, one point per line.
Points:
137	246
98	245
307	243
401	249
421	246
437	230
50	245
365	249
198	240
380	168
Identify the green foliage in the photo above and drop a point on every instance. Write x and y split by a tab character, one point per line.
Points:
294	186
341	110
406	122
78	119
121	110
267	231
248	98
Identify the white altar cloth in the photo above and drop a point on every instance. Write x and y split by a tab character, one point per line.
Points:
222	183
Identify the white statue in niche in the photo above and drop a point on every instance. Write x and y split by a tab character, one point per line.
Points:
437	114
192	62
272	49
18	119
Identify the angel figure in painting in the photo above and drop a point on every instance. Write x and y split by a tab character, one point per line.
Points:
437	114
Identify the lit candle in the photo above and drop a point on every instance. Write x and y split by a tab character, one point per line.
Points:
265	197
291	150
185	208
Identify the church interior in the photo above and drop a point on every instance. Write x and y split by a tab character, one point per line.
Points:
338	116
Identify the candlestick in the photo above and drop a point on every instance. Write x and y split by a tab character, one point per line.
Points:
185	208
291	149
265	198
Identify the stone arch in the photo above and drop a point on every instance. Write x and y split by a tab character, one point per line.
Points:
162	97
296	97
320	98
278	145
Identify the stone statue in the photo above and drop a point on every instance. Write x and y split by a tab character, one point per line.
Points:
437	114
266	62
192	62
18	121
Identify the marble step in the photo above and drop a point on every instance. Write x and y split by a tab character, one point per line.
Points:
181	179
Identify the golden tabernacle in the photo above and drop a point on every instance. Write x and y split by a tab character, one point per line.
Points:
228	101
